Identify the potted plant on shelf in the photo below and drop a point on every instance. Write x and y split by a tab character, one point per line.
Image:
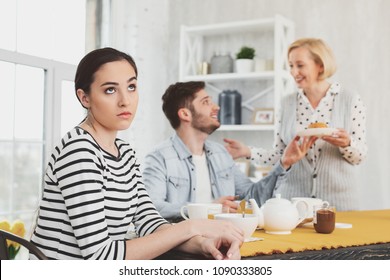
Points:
244	59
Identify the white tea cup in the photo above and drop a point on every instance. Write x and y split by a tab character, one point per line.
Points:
311	203
200	210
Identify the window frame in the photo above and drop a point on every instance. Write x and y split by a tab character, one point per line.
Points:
54	73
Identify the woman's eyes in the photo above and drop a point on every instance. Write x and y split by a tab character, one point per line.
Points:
112	90
298	66
132	87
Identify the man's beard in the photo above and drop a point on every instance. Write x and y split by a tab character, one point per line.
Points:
198	122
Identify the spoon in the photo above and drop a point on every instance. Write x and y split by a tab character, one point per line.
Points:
242	206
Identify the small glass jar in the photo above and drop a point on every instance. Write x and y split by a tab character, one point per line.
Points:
324	219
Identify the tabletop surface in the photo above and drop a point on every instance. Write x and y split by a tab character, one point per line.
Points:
368	227
369	237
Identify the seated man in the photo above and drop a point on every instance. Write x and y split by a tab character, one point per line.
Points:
189	168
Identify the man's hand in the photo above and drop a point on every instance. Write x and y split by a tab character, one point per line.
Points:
228	203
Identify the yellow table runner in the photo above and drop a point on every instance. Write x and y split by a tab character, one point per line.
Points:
368	227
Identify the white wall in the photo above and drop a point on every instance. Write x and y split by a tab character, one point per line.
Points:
141	29
357	30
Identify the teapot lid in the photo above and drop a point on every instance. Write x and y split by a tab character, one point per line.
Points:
278	199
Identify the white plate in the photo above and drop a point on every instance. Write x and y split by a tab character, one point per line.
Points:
343	225
251	239
317	132
337	225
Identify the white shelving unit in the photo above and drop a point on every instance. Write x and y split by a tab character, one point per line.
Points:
270	37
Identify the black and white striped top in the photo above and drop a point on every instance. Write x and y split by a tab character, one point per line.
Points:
90	198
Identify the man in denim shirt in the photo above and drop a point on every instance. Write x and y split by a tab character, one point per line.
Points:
189	168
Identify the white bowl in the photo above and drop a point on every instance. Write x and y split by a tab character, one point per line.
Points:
248	223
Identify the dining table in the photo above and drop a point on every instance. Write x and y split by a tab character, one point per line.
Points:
358	235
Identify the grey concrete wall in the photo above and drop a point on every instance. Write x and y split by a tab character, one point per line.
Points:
357	30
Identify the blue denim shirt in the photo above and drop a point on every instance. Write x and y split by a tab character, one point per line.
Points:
170	178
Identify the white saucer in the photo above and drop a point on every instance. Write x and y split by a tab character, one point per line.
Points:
343	225
251	239
328	131
337	225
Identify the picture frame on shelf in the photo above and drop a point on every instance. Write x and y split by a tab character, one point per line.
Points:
263	116
243	165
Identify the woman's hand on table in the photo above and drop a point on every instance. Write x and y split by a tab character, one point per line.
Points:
213	238
220	239
217	229
220	248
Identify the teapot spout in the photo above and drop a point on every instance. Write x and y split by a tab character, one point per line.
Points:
258	212
254	206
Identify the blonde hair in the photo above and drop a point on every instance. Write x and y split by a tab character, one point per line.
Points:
321	53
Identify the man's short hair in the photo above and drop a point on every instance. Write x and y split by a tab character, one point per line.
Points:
177	96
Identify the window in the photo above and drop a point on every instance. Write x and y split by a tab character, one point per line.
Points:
21	141
44	28
37	70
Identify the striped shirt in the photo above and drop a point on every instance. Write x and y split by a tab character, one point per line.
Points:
90	199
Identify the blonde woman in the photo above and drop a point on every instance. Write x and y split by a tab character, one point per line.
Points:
327	171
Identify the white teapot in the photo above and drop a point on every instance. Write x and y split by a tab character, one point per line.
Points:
279	215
